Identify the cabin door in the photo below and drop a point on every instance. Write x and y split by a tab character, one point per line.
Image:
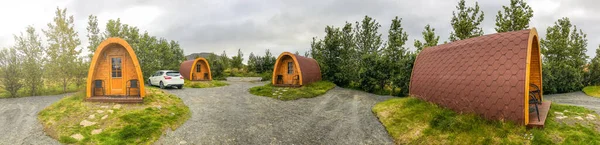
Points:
116	75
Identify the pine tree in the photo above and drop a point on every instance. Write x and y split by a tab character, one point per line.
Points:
564	57
236	61
515	17
368	44
395	57
429	37
30	48
62	51
593	75
465	22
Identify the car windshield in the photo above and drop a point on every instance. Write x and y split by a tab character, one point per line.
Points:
174	73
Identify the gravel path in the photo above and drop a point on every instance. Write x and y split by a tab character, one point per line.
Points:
18	120
231	115
577	99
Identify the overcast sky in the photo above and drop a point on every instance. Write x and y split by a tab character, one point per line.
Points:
288	25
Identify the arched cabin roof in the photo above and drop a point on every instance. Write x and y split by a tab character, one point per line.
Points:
101	47
486	75
309	68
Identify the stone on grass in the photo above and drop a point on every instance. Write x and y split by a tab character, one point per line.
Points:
579	117
104	117
561	117
86	123
284	90
590	117
559	113
100	111
96	131
77	136
118	106
110	111
566	110
158	107
274	94
106	107
183	142
92	116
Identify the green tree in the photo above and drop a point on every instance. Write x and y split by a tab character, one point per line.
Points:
63	41
593	75
429	37
348	57
515	17
224	60
465	22
328	53
268	62
368	43
236	61
93	34
30	48
10	71
252	63
564	57
396	56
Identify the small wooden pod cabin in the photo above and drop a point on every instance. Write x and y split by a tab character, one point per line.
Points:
196	70
294	70
115	74
493	75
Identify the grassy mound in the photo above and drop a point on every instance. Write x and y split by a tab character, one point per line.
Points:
593	91
204	84
286	93
412	121
129	124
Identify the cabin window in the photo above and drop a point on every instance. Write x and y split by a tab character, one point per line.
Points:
117	70
290	67
198	68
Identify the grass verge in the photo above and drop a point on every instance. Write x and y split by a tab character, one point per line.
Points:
131	124
204	84
593	91
413	121
287	93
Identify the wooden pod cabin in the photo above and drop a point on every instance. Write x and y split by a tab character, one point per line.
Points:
196	70
115	74
495	76
292	70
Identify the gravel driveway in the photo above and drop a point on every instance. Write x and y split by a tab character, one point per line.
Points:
576	99
231	115
18	120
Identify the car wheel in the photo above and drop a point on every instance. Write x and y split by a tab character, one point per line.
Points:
162	86
149	82
181	87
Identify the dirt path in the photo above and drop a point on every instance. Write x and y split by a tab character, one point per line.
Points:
577	99
231	115
18	120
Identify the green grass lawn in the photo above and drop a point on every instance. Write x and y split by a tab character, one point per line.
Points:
131	124
287	93
412	121
204	84
593	91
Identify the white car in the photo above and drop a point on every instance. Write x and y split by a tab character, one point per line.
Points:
166	78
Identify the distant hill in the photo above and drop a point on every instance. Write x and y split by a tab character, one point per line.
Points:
194	55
